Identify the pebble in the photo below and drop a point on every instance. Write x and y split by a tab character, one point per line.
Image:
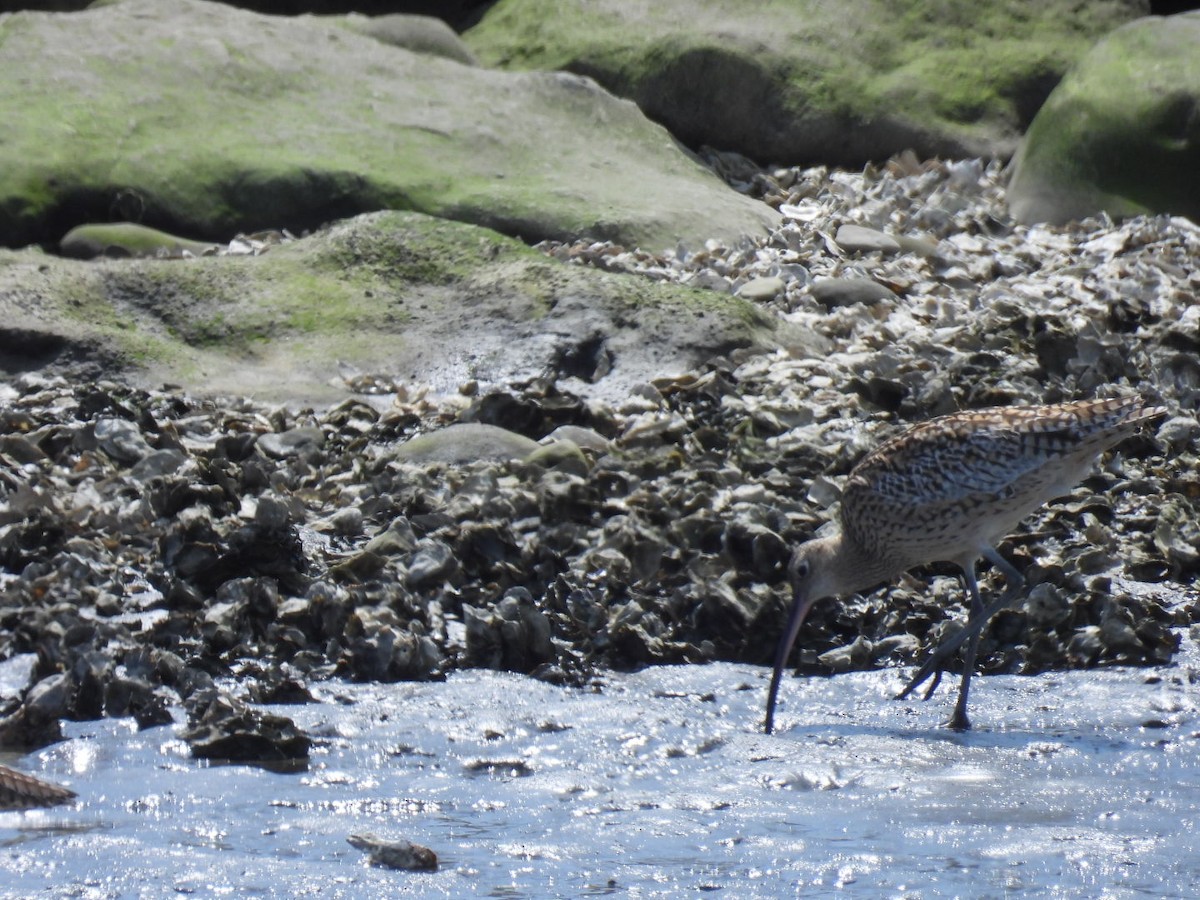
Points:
761	288
464	443
398	854
858	239
833	292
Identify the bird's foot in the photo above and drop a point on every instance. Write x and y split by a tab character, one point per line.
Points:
959	721
932	667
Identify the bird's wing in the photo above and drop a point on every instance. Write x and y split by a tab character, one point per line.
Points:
1004	461
931	465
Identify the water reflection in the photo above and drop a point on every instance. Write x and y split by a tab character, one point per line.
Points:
658	785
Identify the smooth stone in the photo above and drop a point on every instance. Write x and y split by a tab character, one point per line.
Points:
859	239
355	124
918	245
798	81
584	438
118	239
834	292
421	34
466	442
761	288
565	456
850	657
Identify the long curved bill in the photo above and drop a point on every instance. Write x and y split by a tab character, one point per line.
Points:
801	604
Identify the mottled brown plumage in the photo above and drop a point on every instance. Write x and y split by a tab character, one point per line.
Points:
947	490
21	791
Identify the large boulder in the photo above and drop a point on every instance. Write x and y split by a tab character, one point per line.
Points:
795	81
384	298
1121	133
204	120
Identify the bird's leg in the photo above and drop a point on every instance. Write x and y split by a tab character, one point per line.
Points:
959	721
933	685
936	662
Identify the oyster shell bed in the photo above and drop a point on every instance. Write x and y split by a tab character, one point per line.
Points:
155	544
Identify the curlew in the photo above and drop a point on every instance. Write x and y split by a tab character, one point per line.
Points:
947	490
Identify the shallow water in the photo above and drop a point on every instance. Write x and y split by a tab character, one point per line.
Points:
1072	784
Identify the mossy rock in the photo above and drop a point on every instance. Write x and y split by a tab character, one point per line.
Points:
409	297
253	122
126	239
1120	134
797	81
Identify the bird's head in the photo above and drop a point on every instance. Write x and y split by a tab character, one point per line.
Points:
813	572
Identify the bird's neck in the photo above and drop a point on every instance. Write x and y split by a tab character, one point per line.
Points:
847	567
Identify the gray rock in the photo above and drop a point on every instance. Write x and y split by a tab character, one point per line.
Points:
859	239
761	289
850	657
585	438
293	442
514	634
432	563
120	439
843	83
466	442
917	245
352	124
562	455
1120	133
1178	431
430	301
158	463
399	854
834	292
223	727
36	722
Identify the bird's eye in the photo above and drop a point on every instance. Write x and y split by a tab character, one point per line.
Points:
802	569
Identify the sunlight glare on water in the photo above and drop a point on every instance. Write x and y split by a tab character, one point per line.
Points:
1079	783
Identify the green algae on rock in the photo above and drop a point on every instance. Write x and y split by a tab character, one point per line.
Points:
126	239
254	122
1119	134
421	299
800	81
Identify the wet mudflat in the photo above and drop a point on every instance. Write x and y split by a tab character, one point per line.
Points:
657	783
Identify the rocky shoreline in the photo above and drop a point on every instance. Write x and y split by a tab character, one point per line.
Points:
159	548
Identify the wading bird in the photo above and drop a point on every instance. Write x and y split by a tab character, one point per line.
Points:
948	490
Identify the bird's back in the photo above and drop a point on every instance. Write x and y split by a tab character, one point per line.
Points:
944	488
